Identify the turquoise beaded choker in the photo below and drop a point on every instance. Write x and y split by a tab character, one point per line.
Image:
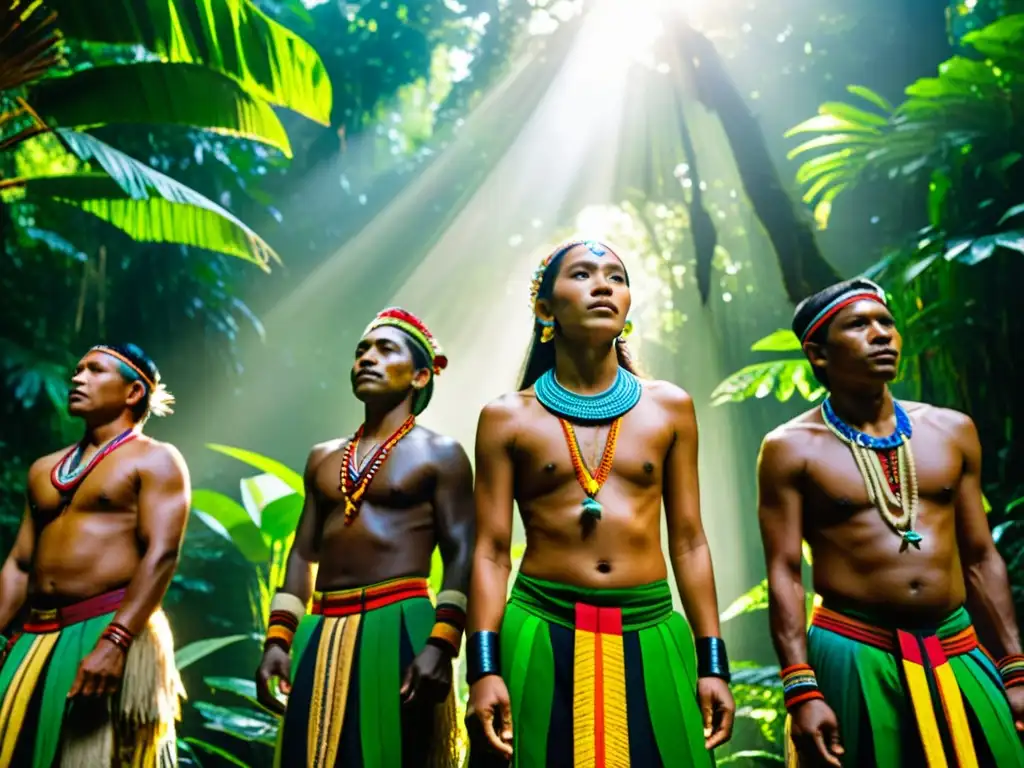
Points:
618	399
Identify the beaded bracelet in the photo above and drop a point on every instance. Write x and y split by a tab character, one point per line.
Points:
482	656
712	660
1011	669
119	635
449	621
799	684
285	612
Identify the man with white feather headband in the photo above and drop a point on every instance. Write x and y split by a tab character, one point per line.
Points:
87	676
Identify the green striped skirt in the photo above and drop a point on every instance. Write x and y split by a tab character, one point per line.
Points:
349	656
40	728
924	696
599	678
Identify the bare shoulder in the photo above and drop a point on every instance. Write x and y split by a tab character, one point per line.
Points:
957	426
668	395
790	444
503	412
159	458
42	466
321	451
443	449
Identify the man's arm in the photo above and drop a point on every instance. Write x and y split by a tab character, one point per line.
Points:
164	501
492	561
15	571
780	513
988	588
305	551
688	546
455	512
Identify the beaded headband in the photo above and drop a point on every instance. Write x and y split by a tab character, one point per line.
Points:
160	400
597	248
857	293
414	327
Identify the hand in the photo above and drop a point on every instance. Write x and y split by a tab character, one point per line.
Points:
100	672
815	732
489	705
276	665
718	708
429	677
1016	697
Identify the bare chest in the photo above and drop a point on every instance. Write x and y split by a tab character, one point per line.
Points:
548	454
403	480
835	480
111	487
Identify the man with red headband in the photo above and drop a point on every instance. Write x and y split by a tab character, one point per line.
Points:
88	676
371	683
891	672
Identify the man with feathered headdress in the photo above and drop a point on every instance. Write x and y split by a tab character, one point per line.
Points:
88	676
887	494
371	683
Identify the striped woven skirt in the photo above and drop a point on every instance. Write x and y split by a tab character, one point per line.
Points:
927	697
598	678
349	657
40	728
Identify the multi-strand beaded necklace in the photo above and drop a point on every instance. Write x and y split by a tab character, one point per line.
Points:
355	480
69	473
610	405
886	466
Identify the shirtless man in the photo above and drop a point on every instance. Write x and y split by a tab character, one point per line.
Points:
595	667
890	673
372	684
80	592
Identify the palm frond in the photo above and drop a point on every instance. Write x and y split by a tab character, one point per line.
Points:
29	42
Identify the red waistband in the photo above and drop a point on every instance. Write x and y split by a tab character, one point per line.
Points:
964	641
345	602
41	620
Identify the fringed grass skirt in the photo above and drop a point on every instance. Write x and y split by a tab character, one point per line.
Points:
599	678
40	728
349	658
927	697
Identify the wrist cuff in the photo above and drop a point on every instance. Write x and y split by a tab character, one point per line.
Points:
482	656
712	660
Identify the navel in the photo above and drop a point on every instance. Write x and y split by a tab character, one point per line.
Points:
603	566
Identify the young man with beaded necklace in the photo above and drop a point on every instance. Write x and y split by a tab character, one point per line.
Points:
371	682
594	666
890	673
88	675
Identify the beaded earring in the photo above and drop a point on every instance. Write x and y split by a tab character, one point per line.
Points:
626	329
548	332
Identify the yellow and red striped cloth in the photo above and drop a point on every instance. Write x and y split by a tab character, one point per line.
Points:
600	727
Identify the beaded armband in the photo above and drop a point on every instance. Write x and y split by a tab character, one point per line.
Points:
449	621
799	685
712	660
1011	669
119	635
285	612
482	656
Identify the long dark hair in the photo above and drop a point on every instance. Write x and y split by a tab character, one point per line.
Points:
541	356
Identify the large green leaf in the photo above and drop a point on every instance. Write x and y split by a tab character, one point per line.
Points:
761	379
754	599
281	517
236	686
200	649
159	93
144	203
289	476
241	530
782	340
242	723
232	36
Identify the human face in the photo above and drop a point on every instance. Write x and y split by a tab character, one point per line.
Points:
862	345
384	366
98	386
590	296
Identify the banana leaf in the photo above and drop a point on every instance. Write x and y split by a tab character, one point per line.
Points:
231	36
200	649
155	92
271	466
231	520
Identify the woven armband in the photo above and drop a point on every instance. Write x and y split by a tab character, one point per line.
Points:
711	658
285	612
482	656
119	635
1011	669
449	621
799	685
